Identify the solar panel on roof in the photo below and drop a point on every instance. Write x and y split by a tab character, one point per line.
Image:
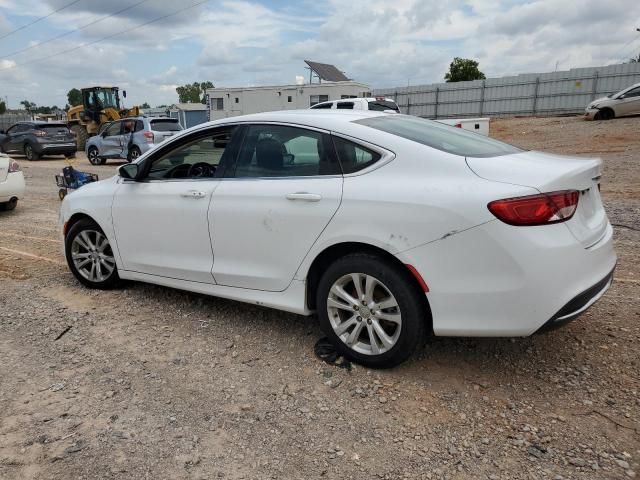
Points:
327	72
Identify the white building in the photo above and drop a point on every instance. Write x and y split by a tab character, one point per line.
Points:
229	102
332	84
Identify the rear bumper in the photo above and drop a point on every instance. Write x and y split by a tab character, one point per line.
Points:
578	305
55	149
12	187
495	280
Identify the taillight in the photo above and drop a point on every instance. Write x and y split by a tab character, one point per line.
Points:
542	209
458	125
148	136
14	166
40	133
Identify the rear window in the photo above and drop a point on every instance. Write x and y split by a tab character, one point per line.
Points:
53	128
165	125
437	135
382	105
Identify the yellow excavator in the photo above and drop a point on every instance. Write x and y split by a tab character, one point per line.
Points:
99	106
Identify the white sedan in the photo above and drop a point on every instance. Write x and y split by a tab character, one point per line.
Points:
11	183
388	226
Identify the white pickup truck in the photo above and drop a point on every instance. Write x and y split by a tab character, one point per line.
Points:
382	104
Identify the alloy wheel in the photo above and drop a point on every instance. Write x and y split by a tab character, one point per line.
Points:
364	314
92	256
93	156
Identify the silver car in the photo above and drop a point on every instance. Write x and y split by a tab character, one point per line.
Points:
625	102
129	138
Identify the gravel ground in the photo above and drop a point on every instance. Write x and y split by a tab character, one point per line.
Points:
149	382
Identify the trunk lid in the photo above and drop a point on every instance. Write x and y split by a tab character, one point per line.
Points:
547	173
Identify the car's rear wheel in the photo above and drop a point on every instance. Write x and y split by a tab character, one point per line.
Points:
94	156
134	153
30	153
371	310
90	256
10	205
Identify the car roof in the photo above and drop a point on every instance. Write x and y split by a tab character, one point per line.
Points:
324	119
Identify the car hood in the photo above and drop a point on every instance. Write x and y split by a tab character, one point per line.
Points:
599	100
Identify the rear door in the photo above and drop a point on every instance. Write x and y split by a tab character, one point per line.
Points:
285	188
7	138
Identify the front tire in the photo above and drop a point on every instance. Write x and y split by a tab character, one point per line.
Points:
371	310
30	153
94	156
10	205
90	256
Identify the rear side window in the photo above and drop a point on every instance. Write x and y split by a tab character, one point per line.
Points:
382	105
345	105
165	125
439	136
354	157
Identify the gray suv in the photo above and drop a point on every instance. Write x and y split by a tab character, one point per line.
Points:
129	138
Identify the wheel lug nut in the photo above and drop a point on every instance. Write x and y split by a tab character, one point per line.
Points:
356	308
364	303
369	321
359	319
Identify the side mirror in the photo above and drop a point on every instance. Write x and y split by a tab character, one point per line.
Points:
129	171
124	93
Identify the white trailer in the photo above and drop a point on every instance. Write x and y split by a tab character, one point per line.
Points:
230	102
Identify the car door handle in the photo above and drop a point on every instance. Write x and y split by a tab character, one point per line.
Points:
193	194
304	196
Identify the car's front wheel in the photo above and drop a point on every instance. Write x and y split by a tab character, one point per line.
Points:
371	310
94	156
134	153
90	256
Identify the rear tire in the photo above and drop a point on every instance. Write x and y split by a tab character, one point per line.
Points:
10	205
377	324
89	255
134	153
30	153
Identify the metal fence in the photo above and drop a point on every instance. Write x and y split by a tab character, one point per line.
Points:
553	93
8	119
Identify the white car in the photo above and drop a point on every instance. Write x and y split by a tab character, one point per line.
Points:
387	226
11	183
625	102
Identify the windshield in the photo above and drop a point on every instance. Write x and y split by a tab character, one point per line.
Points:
437	135
107	98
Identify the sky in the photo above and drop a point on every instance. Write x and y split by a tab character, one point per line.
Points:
148	47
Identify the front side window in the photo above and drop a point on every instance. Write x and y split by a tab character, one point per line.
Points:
313	99
345	105
198	158
439	136
354	157
282	151
326	105
113	129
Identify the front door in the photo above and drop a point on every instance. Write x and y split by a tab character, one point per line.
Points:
111	144
630	104
160	221
284	189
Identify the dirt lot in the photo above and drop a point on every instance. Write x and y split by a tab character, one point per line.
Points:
155	383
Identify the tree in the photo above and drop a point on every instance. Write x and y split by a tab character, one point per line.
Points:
193	93
74	97
634	59
3	107
145	105
28	106
463	69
